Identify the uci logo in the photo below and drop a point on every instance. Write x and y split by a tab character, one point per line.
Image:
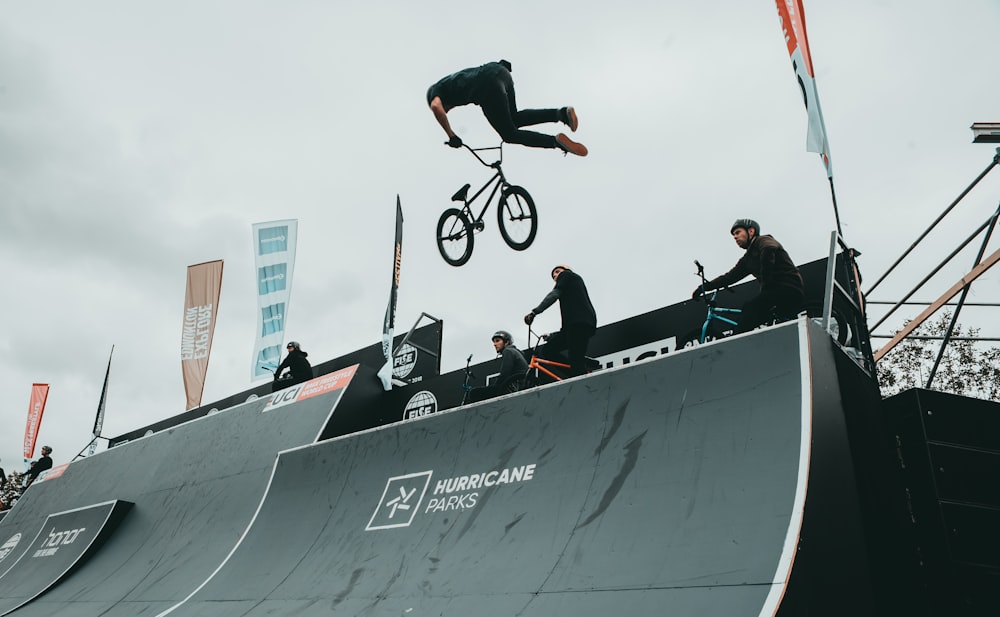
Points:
284	397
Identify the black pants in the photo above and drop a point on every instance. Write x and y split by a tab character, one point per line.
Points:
574	338
783	304
497	102
287	382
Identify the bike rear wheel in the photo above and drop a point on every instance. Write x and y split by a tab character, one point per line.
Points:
517	218
455	238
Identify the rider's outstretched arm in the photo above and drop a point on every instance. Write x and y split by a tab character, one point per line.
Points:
441	115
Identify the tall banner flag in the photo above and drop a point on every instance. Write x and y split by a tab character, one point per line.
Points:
388	325
201	303
793	26
274	260
36	407
99	420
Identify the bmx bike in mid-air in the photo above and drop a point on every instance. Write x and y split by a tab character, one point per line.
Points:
516	215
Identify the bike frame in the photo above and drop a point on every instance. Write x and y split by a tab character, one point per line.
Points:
713	314
540	364
713	308
466	388
498	178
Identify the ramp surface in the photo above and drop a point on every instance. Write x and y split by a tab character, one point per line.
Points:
195	488
673	485
64	541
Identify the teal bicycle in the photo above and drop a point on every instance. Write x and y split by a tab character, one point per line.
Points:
716	325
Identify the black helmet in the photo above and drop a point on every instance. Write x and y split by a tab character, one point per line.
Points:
295	345
747	224
504	336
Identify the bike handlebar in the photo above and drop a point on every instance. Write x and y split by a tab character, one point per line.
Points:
475	152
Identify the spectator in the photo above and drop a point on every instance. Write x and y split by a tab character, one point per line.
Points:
512	368
299	369
44	463
579	320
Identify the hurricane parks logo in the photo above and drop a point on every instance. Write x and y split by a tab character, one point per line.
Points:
9	546
403	497
422	403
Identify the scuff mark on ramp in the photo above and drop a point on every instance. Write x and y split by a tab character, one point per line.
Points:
631	458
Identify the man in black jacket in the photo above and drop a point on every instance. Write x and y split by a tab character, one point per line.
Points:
299	369
780	282
579	320
44	463
491	87
513	366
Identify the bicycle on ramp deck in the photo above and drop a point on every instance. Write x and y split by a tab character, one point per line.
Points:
516	215
710	330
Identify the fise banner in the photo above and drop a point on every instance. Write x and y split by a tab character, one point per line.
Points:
274	262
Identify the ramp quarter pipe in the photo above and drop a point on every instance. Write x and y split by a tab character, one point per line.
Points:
677	482
194	488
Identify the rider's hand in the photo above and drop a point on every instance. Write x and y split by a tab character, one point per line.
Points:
454	141
697	293
530	317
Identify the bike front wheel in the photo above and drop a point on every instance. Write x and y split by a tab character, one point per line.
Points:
517	218
455	237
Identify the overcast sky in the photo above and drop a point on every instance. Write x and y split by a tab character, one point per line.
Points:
139	138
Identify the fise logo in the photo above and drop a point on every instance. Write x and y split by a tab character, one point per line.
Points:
421	404
404	361
400	501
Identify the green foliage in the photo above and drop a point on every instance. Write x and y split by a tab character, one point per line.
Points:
967	367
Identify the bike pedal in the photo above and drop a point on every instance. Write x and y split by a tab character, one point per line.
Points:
479	226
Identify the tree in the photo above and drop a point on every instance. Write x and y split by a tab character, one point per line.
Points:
967	366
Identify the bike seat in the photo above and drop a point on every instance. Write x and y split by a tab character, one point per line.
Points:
461	194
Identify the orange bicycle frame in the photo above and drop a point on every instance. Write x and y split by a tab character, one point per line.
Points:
540	363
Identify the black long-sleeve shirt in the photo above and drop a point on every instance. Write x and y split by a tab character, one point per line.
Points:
297	365
574	301
768	262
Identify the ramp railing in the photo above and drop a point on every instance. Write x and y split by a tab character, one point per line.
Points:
843	289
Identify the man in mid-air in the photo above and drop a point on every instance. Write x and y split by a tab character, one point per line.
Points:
491	87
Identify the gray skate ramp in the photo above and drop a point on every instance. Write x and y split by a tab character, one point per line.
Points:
671	486
66	539
195	488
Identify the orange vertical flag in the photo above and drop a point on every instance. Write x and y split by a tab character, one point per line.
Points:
39	394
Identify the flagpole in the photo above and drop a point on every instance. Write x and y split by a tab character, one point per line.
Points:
99	418
836	212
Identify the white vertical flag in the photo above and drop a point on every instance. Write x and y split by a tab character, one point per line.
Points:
274	261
